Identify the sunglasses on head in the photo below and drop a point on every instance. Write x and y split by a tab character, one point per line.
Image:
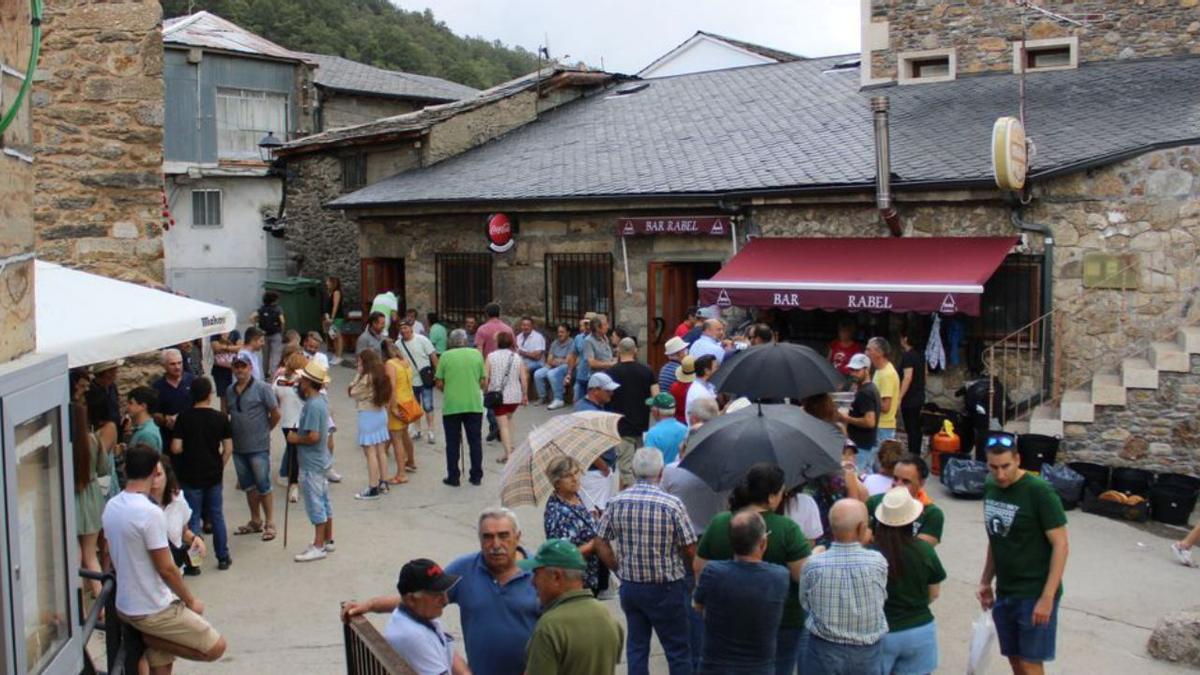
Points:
1005	440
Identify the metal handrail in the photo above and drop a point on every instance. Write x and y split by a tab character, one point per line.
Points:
368	653
119	659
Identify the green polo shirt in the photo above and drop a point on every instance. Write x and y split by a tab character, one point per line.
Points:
460	370
575	636
931	521
147	434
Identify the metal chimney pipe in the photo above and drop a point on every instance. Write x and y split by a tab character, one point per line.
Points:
883	167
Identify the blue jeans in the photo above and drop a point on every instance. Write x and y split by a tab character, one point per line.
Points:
913	651
662	608
253	471
207	503
454	426
788	649
1016	633
830	658
554	376
425	396
695	626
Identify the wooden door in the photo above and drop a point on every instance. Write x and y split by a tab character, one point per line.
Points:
378	275
671	290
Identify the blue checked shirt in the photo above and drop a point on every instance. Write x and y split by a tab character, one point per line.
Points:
843	590
647	527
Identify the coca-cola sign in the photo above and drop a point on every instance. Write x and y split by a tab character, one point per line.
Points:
717	226
500	230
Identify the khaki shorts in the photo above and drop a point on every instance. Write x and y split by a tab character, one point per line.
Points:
625	452
176	624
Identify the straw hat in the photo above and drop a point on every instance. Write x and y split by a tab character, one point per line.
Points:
316	373
674	346
687	370
898	508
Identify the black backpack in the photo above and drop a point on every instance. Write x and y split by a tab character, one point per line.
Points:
270	319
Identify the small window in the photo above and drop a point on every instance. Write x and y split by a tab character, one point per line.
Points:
1047	54
464	285
244	116
206	208
936	65
577	283
1012	298
354	171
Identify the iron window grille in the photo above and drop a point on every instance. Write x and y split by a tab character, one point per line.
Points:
464	285
354	171
577	283
1012	298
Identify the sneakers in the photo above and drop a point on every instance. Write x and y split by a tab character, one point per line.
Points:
191	571
332	476
493	436
417	436
310	554
1184	556
329	547
555	404
368	494
224	564
429	437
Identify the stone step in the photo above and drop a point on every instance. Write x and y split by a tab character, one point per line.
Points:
1138	374
1108	390
1189	339
1017	427
1046	420
1170	356
1077	406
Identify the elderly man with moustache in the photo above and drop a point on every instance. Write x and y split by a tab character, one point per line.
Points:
496	598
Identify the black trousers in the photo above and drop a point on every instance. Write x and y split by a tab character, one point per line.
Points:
911	417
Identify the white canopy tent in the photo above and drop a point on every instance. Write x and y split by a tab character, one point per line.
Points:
91	318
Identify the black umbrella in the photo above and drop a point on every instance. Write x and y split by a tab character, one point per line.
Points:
777	370
802	445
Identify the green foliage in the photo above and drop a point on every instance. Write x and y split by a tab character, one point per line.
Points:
374	32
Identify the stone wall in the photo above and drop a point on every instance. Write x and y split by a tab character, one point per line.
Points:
1158	429
16	189
982	31
97	131
344	110
322	242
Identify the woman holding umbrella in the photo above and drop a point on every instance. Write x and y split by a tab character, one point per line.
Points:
568	518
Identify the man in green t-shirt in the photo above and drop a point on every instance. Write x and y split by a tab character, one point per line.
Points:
1027	553
460	376
911	472
141	403
575	635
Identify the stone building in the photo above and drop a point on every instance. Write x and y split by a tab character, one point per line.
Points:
98	134
16	188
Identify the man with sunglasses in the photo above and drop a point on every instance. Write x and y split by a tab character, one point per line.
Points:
1027	553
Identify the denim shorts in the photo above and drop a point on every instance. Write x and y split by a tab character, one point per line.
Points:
1017	634
253	471
912	651
425	396
315	489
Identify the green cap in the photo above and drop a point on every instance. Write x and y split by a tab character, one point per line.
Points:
555	553
662	401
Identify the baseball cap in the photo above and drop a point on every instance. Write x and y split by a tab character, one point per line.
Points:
710	312
674	346
858	362
602	381
424	574
662	401
687	370
555	553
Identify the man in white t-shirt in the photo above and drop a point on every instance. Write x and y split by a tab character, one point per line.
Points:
531	346
312	348
151	595
414	631
418	327
422	355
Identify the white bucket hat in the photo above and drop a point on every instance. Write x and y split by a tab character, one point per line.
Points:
898	508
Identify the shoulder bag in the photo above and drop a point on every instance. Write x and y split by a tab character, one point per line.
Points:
495	399
426	373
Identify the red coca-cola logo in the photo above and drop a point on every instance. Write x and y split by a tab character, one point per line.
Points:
500	232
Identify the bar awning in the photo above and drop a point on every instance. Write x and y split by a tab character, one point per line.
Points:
911	274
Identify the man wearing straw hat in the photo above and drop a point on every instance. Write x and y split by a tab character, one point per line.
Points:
312	453
675	349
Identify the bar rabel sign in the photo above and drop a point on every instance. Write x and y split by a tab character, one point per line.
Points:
717	226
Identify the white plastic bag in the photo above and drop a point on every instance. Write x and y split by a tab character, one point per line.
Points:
983	636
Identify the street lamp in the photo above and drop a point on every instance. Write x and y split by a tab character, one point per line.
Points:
267	147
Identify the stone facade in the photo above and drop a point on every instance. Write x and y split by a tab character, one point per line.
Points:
344	110
982	31
16	189
320	241
97	132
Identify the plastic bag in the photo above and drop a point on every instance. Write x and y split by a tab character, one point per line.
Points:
964	478
1066	482
983	636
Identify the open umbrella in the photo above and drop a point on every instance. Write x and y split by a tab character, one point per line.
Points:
800	444
581	435
777	370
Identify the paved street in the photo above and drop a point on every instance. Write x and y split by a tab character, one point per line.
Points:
282	617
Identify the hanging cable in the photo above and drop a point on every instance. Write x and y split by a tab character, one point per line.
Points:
35	20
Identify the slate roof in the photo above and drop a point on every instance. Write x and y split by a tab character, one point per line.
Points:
339	74
791	127
205	29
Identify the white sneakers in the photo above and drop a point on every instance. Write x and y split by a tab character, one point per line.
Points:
429	437
1184	556
555	404
332	476
310	554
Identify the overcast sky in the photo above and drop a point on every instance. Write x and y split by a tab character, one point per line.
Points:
628	34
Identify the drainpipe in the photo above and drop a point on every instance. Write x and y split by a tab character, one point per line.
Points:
1047	295
883	167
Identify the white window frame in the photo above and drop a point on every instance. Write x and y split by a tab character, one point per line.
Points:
904	62
220	207
1072	42
252	116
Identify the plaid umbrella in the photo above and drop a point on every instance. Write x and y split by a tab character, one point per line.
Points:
581	435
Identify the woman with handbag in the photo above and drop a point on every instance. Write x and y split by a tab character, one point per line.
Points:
402	411
372	393
505	387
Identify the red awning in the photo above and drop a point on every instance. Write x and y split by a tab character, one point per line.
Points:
912	274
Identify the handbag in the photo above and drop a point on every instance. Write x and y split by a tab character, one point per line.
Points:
495	399
223	359
409	411
425	373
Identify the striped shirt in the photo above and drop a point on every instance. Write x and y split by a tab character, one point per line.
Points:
844	590
666	375
648	527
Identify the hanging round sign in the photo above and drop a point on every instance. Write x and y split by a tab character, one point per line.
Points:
500	231
1009	158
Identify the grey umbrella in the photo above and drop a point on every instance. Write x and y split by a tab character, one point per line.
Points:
800	444
777	370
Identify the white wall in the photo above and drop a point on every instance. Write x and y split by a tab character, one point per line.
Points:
226	264
702	55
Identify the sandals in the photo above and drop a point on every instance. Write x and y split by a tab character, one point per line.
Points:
268	533
251	527
398	479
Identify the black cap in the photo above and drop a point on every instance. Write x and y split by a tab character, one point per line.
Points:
424	574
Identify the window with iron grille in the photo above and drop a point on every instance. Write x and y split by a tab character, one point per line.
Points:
464	285
354	171
577	283
206	208
1012	298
